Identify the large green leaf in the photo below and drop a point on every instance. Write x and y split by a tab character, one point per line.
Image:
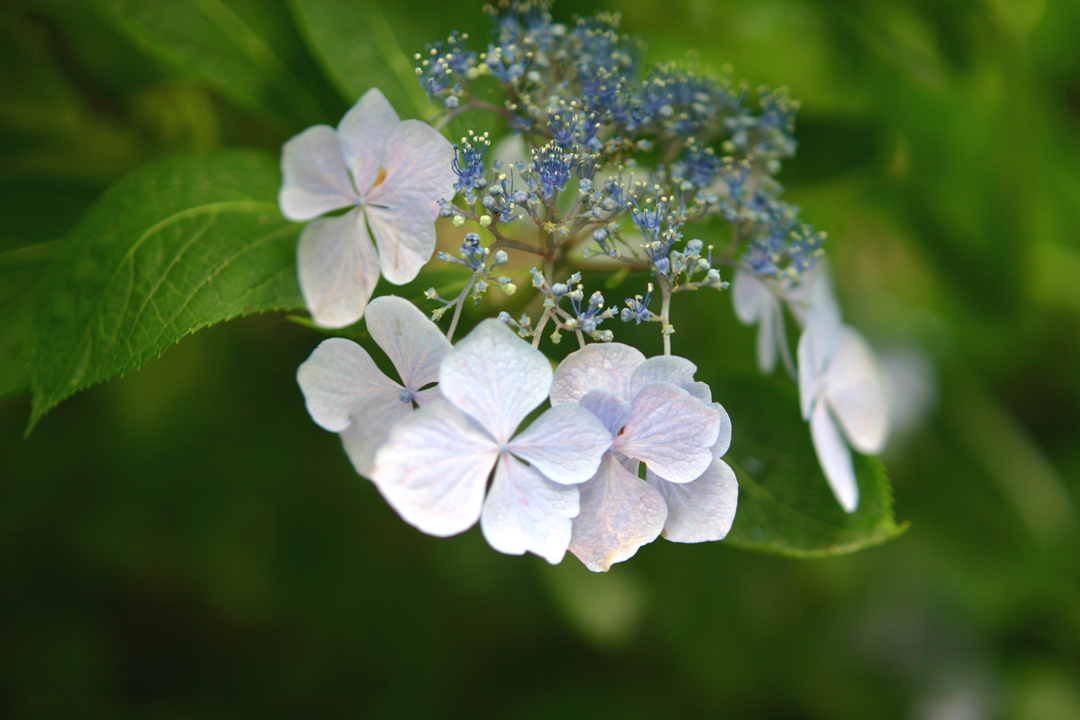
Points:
178	246
247	48
356	48
785	505
20	270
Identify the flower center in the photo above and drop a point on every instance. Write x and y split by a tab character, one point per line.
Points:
405	396
379	178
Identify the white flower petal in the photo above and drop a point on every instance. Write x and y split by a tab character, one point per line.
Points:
769	337
750	296
369	428
809	374
619	513
834	456
702	510
362	135
496	377
426	397
525	511
823	316
599	366
417	160
433	469
611	411
856	389
565	443
412	341
338	379
670	431
406	238
723	438
338	268
671	369
313	176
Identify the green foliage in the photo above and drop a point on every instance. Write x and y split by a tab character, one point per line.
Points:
785	504
173	248
356	49
246	48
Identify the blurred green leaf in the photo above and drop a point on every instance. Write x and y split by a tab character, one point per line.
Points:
247	48
183	244
356	48
20	270
785	504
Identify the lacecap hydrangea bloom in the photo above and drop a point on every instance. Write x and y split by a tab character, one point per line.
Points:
392	173
617	163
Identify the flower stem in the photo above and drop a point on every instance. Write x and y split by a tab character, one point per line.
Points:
460	302
665	315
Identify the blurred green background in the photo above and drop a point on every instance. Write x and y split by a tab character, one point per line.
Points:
185	543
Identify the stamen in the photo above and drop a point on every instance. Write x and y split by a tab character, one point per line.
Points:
379	178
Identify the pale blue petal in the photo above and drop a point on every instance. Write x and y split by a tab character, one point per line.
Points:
338	268
417	160
670	431
406	238
835	457
496	377
619	513
369	427
855	387
565	443
599	366
338	379
702	510
363	134
611	411
433	469
526	512
671	369
313	176
410	339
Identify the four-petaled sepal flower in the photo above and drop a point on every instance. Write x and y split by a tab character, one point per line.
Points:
393	174
434	467
346	393
660	416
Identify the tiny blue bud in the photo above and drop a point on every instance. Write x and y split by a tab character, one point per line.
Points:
405	396
489	202
600	235
501	258
585	185
559	289
504	317
694	247
714	275
451	102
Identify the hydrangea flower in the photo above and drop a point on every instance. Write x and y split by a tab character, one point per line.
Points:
434	467
660	416
346	393
756	304
842	386
393	174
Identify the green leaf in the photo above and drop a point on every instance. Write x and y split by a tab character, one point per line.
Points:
175	247
247	48
785	504
355	46
20	270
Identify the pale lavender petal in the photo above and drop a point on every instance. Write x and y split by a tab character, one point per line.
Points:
407	335
406	238
702	510
362	135
823	317
809	375
723	438
496	377
417	160
426	397
338	379
565	443
526	512
769	336
313	177
619	513
369	428
599	366
670	431
750	296
855	387
834	456
338	268
611	411
433	469
671	369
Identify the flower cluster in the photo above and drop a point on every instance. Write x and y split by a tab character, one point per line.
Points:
610	167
